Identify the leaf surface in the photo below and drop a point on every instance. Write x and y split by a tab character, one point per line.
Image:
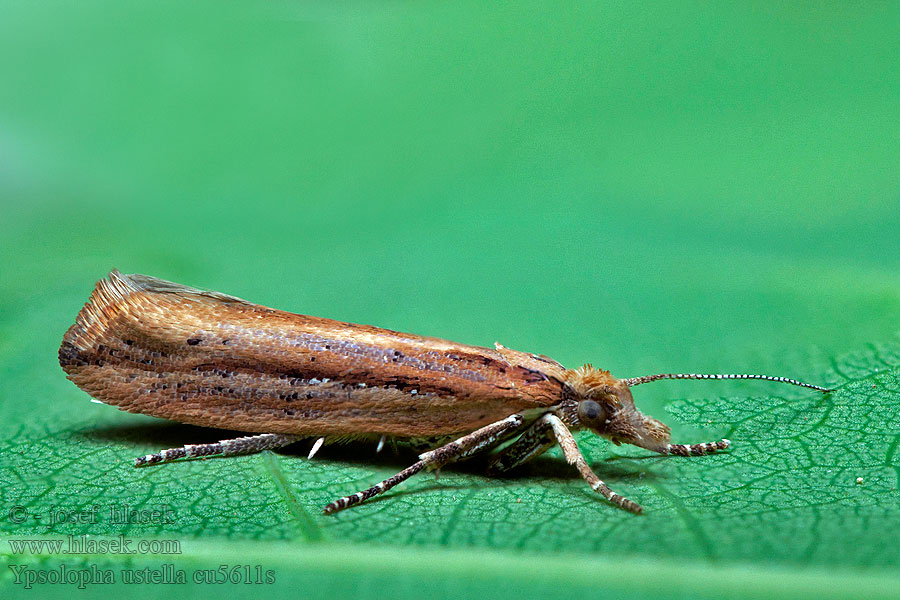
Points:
701	187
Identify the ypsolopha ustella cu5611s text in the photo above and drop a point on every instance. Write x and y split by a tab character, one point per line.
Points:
158	348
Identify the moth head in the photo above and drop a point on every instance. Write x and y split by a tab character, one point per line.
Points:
604	405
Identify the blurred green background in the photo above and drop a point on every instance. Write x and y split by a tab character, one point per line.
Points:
692	186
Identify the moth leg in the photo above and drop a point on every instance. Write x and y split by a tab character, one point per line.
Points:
536	440
492	443
242	445
696	449
574	457
422	445
469	444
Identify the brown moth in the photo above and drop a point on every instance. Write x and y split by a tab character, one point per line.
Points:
159	348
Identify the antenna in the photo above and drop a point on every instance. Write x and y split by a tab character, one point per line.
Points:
648	378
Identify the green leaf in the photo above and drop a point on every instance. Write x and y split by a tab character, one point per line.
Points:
787	493
695	188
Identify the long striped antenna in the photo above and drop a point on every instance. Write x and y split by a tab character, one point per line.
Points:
648	378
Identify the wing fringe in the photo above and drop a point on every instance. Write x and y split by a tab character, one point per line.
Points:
119	292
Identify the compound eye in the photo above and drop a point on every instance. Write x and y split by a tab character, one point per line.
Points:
591	413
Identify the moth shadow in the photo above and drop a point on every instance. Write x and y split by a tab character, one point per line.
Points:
548	467
541	469
362	453
164	434
356	452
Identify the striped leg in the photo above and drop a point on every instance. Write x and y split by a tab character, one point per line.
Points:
492	442
469	444
696	449
536	440
574	457
242	445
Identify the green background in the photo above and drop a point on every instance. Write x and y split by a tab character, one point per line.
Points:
687	186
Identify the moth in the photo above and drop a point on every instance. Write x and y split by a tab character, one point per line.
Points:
158	348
